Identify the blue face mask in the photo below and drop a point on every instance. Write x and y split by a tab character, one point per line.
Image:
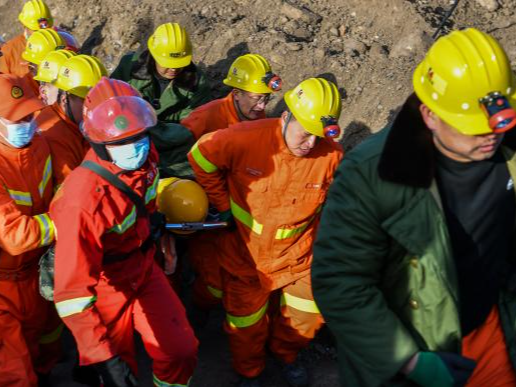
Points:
19	135
130	156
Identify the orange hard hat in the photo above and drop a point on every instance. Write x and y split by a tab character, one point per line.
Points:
18	98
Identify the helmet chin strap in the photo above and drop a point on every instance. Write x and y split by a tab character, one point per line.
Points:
68	110
284	128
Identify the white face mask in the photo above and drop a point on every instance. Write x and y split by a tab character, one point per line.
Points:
20	134
130	156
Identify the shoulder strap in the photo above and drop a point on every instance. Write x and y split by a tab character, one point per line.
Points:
115	181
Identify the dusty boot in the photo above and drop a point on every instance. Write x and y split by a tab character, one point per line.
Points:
295	374
249	382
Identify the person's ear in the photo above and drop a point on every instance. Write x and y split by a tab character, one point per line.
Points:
429	117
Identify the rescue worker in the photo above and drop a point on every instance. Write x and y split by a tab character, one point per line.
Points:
106	280
271	176
60	122
413	263
47	74
34	16
253	82
166	77
30	328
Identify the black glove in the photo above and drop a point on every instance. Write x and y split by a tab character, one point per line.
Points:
116	373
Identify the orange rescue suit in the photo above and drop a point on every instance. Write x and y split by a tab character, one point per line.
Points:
30	328
217	114
275	198
65	139
101	299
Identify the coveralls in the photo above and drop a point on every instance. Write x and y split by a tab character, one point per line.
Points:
65	140
204	246
107	283
275	198
30	328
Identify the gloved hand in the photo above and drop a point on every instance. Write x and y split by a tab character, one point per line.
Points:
116	373
441	369
168	248
227	216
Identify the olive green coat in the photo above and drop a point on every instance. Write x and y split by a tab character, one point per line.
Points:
173	141
383	273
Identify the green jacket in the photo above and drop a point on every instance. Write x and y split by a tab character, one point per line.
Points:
383	274
178	99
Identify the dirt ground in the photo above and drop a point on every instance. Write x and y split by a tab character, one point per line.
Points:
368	47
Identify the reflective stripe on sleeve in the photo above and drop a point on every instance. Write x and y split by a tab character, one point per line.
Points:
199	158
245	217
53	336
21	198
74	306
151	191
126	224
217	293
246	321
47	229
301	304
161	383
47	174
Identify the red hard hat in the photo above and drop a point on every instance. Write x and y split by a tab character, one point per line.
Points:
117	119
105	89
114	111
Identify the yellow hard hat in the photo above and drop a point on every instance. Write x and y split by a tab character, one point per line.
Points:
252	72
49	67
466	80
170	46
35	15
79	74
182	201
316	104
40	43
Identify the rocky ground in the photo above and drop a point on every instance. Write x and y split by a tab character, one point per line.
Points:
368	47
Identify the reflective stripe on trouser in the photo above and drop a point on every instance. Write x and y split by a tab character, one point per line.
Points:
160	383
75	305
298	322
291	330
157	314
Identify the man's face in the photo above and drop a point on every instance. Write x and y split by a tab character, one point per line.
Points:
298	140
458	146
168	73
48	93
250	106
75	106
